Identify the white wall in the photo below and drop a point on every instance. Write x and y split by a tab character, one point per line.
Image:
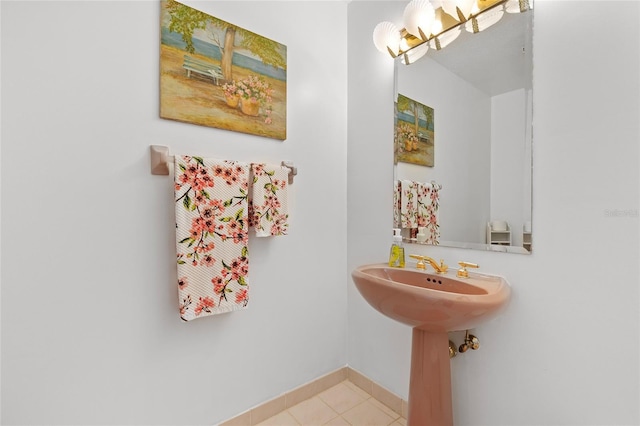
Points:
90	327
508	160
462	150
376	345
566	351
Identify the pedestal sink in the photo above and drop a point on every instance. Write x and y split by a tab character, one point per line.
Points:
433	304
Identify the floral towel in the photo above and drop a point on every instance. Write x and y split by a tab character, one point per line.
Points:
427	214
397	197
211	235
268	212
409	204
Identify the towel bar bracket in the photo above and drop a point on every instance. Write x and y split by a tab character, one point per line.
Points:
293	170
159	160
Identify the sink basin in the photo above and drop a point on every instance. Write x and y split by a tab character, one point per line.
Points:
430	301
433	304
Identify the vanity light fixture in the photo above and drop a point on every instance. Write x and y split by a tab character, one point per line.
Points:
414	54
433	24
518	6
482	22
459	9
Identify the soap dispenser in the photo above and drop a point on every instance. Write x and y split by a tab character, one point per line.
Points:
396	255
422	236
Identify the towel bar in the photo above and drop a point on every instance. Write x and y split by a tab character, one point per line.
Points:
160	160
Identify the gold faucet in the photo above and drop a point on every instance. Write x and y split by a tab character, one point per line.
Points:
439	268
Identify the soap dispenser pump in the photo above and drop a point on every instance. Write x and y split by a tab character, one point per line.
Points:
396	255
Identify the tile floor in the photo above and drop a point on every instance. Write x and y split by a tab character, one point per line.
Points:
343	404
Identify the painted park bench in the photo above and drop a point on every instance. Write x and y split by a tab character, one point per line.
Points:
201	67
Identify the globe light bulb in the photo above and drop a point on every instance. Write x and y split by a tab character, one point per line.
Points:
451	7
419	16
386	36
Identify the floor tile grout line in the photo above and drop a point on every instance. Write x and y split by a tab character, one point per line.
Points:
364	396
392	414
393	419
336	414
359	397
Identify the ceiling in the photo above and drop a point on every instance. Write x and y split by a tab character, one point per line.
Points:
496	60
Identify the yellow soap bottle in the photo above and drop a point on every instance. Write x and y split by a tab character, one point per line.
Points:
396	255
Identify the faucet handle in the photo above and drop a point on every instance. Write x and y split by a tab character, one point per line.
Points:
440	269
462	272
421	259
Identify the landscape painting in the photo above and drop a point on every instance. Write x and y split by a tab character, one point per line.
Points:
216	74
414	132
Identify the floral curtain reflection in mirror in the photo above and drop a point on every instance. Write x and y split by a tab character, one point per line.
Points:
481	87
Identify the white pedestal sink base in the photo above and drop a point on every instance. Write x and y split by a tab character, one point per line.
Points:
430	402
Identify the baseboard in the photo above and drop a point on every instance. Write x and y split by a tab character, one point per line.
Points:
293	397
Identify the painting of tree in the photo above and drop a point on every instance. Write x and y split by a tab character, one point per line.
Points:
414	133
218	74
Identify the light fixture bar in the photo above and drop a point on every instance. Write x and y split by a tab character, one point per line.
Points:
414	42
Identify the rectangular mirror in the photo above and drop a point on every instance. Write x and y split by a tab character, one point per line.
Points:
472	137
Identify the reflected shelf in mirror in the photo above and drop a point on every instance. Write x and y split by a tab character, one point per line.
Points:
474	246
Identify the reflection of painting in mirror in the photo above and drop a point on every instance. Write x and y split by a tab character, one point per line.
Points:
414	133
